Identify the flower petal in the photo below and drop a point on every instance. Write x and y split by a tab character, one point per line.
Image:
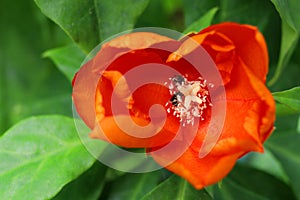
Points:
86	79
200	172
241	56
217	45
250	114
112	129
249	44
84	89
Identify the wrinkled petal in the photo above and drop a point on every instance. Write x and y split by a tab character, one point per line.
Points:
200	172
86	80
84	88
250	107
219	46
131	132
100	84
115	48
135	120
249	44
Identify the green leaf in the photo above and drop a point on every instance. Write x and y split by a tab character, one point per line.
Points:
261	183
203	22
288	101
25	78
265	162
282	110
39	156
285	148
132	186
89	22
193	9
289	12
231	190
115	16
176	188
87	186
68	59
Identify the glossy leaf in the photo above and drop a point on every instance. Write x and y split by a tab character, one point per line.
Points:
87	186
289	12
232	190
261	183
89	22
27	85
288	101
282	110
68	59
176	188
265	162
39	156
193	10
115	16
285	148
132	186
203	22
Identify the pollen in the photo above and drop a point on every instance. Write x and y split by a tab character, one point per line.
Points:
188	99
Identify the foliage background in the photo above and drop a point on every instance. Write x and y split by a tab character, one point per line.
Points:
44	42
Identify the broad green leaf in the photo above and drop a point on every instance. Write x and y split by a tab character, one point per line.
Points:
87	186
291	74
112	174
260	183
89	22
265	162
256	12
39	156
229	189
193	9
176	188
286	124
115	16
289	12
282	110
27	79
68	59
77	18
132	186
289	101
285	148
203	22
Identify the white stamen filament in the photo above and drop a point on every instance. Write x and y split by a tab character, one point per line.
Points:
189	99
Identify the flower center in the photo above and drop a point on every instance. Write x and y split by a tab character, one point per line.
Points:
189	98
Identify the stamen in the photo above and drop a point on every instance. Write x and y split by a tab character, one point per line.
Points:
189	99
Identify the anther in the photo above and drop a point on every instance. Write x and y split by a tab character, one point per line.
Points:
189	98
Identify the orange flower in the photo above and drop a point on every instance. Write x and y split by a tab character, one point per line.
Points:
109	107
